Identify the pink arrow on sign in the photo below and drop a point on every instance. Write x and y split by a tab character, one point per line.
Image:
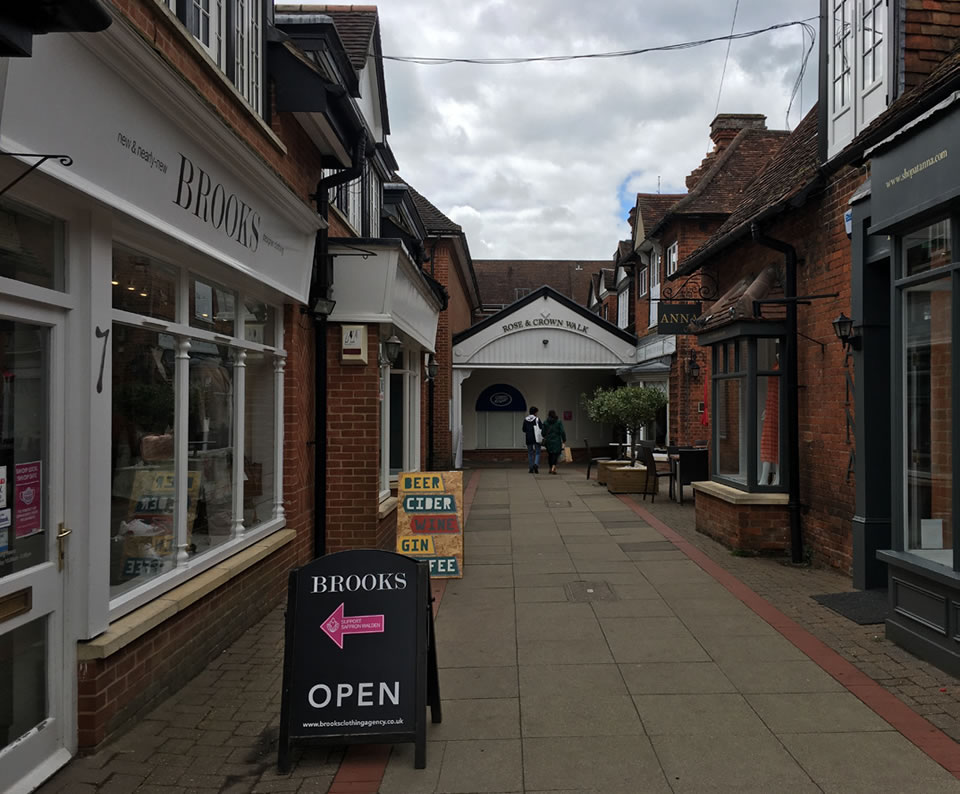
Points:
336	626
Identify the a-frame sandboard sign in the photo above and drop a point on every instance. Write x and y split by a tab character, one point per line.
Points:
360	659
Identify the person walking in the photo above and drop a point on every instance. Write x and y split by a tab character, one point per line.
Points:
554	437
533	432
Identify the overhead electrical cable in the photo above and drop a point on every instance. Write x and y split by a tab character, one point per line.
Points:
428	61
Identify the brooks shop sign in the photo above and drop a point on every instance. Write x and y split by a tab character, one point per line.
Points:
210	202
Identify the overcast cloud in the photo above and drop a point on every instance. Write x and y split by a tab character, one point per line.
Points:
544	160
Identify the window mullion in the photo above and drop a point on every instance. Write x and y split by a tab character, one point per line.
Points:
181	461
239	441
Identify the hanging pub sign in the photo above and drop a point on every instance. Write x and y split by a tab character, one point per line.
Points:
430	520
360	661
674	318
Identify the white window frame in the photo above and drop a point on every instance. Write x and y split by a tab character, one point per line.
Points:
411	417
248	58
190	266
673	258
857	67
642	280
654	287
623	308
215	13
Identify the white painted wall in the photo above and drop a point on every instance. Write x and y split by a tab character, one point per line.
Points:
549	388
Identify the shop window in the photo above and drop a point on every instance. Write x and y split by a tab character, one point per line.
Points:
748	413
31	246
143	286
927	294
195	454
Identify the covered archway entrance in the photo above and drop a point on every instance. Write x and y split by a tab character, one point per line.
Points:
543	350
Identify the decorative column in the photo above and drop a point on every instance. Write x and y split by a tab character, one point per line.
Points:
279	363
239	439
456	414
181	466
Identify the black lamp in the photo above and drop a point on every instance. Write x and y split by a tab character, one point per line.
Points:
432	368
693	366
843	328
392	347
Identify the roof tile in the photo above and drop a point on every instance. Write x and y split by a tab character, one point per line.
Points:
500	280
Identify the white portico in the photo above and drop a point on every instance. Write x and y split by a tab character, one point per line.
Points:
543	350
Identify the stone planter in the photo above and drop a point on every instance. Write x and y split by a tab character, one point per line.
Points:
603	467
631	479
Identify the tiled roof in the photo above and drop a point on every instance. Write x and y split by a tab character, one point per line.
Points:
722	185
653	206
786	174
433	219
500	279
608	274
796	167
737	302
355	25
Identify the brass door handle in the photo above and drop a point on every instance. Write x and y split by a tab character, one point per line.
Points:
62	533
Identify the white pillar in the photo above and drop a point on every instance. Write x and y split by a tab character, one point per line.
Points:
456	415
239	438
181	435
279	363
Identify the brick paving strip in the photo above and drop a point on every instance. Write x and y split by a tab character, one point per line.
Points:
363	766
925	736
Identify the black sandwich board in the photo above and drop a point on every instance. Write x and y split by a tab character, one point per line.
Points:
360	660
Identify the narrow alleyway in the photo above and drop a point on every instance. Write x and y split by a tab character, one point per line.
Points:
581	652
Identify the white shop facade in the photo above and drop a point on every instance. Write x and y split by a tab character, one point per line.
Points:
544	350
143	276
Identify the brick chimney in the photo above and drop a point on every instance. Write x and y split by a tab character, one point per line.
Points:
723	129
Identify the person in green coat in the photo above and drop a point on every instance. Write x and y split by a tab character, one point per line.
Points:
554	437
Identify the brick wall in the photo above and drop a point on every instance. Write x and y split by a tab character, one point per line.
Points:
931	31
762	529
353	446
115	690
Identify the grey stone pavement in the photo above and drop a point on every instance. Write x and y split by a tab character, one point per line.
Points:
581	652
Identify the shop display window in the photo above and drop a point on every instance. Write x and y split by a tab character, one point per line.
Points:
927	294
31	246
195	447
748	413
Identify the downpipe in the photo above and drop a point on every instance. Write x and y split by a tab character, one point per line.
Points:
321	282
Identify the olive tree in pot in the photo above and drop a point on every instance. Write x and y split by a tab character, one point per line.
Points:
634	406
599	408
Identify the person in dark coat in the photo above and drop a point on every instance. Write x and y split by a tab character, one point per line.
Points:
531	426
554	437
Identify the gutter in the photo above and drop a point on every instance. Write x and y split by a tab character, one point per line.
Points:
791	377
320	285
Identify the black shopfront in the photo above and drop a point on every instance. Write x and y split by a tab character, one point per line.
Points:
906	306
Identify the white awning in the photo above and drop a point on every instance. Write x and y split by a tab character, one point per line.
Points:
376	281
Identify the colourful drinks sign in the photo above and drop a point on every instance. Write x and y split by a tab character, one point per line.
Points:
430	520
28	499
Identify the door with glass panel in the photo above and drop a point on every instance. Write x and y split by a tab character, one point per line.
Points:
32	542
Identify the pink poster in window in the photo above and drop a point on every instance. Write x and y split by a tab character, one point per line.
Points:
28	499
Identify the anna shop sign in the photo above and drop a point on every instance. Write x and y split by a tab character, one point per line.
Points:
674	318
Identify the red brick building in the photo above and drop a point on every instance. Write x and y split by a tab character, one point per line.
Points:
666	229
841	450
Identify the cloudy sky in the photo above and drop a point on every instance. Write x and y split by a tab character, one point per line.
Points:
544	160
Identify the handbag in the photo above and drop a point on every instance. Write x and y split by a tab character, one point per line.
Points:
566	455
537	432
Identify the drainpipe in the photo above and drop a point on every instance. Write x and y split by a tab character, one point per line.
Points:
791	379
321	283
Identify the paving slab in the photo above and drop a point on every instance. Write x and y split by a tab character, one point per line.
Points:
675	678
564	714
815	712
558	680
477	767
612	764
478	682
703	713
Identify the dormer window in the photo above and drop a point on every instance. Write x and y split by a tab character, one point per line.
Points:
856	68
231	32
